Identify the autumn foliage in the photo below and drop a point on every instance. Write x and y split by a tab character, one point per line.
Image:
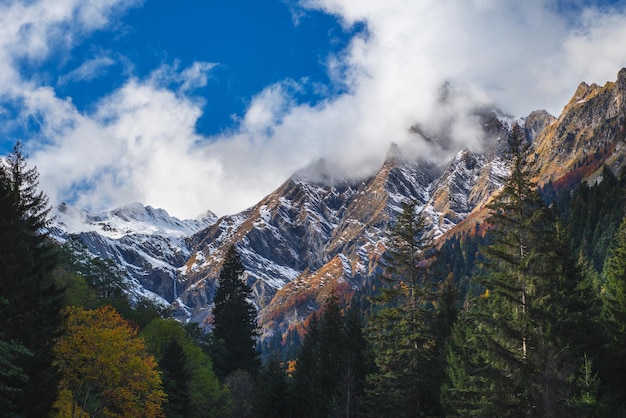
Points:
106	369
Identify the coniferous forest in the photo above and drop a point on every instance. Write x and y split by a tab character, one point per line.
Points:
523	316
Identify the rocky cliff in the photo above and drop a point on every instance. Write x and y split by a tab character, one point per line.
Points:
316	233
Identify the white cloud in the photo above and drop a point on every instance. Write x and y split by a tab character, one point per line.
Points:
594	48
187	80
140	142
88	70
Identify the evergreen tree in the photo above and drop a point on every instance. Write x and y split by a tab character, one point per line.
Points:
515	361
594	214
585	398
330	367
403	329
272	391
614	313
192	388
357	364
305	392
175	376
11	374
32	316
235	318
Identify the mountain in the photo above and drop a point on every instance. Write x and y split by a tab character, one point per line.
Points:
317	234
313	235
147	243
589	133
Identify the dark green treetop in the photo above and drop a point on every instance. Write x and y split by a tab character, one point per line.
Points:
235	318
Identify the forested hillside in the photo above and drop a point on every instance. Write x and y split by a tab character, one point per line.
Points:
522	315
520	311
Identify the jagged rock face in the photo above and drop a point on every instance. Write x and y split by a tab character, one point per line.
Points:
147	243
536	122
589	133
278	238
300	228
355	246
316	233
452	198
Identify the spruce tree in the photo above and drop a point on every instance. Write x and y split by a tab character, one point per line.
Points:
235	318
515	359
11	374
402	331
330	367
614	314
32	315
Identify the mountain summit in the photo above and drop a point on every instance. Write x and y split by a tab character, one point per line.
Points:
318	233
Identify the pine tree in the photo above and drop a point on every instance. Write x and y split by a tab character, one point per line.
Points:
235	318
515	360
330	367
32	315
402	331
614	313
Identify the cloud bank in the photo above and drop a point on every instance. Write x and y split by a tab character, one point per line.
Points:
140	143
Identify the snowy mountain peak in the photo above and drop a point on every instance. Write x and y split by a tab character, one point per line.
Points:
320	172
134	218
147	243
318	233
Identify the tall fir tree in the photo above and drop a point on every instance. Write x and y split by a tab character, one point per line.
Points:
12	375
508	355
614	315
403	329
32	315
235	318
330	368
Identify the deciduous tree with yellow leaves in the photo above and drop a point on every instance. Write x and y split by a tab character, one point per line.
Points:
106	369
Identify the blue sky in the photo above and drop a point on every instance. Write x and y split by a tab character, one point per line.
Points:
252	43
210	104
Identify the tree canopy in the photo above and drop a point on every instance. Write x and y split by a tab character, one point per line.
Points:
106	368
30	315
235	318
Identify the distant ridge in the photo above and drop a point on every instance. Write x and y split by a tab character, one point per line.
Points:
318	232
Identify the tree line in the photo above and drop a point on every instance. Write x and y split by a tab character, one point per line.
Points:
74	344
525	316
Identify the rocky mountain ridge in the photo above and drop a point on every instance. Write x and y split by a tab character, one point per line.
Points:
315	234
148	244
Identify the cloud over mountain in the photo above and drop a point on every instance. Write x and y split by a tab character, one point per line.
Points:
140	141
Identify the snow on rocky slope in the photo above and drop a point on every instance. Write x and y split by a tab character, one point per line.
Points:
313	234
147	243
316	234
